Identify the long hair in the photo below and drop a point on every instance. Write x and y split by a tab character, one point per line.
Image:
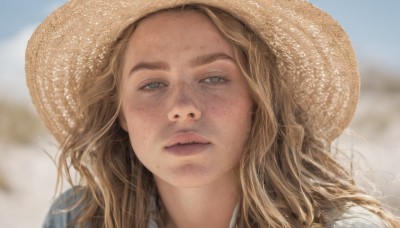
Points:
287	175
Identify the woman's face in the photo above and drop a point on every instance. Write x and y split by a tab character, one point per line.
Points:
185	102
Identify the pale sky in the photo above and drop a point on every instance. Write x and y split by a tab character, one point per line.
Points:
373	26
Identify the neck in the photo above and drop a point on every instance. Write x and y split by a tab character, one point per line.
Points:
206	206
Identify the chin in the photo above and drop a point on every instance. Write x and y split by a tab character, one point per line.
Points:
189	176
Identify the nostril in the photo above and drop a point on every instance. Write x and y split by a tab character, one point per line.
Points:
190	115
181	114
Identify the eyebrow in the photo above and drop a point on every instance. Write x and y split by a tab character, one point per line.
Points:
158	65
209	58
198	61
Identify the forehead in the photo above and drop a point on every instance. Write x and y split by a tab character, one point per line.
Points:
178	31
173	20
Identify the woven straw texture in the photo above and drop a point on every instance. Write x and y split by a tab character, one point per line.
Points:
313	52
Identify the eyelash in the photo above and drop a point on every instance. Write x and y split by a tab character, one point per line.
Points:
148	88
221	79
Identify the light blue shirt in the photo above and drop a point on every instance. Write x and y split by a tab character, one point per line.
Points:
355	217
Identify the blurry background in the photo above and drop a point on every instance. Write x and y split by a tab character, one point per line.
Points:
28	173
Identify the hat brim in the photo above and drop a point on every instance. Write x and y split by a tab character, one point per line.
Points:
314	54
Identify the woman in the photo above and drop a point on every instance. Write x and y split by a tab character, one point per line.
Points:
199	114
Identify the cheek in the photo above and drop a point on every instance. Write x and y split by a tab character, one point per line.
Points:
140	111
232	117
232	110
141	122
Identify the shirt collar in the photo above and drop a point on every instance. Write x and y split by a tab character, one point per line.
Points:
153	224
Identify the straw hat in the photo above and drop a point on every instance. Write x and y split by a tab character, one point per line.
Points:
312	50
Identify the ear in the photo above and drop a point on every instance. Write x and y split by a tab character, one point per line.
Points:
122	121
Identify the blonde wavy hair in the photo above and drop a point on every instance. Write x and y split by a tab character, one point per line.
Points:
287	175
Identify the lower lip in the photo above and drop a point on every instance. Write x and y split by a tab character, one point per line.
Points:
187	149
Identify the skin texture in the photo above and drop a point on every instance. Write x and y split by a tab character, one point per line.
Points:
181	85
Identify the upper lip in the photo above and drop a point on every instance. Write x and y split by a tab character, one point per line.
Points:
186	137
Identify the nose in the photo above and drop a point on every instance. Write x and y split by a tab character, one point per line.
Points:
183	106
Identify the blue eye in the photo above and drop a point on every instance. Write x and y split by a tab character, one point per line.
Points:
152	86
215	79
